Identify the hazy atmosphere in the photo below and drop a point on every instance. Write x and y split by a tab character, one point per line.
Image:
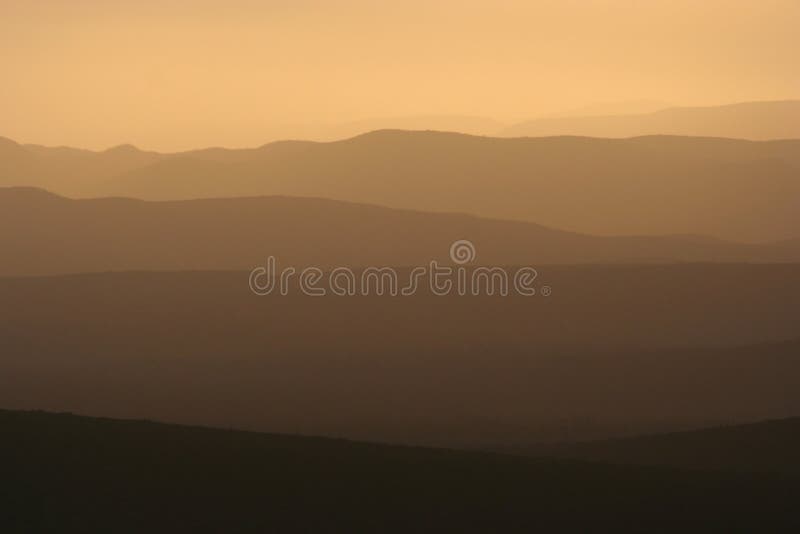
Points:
434	266
170	75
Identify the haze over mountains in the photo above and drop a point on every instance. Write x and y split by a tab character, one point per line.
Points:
614	107
447	123
507	371
761	120
701	342
747	120
399	223
614	350
737	190
42	233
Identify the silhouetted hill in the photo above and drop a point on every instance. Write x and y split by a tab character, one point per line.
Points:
614	350
41	233
7	145
65	168
746	120
76	474
769	446
732	189
446	123
738	190
12	159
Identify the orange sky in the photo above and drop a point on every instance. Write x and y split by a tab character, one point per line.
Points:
178	74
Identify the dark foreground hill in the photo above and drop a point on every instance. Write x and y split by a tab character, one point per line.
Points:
767	447
614	350
42	233
731	189
74	474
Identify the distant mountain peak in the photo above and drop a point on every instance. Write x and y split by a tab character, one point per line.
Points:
26	192
123	149
8	145
759	120
395	133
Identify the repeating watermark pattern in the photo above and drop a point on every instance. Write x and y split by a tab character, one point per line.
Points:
438	279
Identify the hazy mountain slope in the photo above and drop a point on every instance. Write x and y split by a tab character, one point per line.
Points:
64	168
41	233
769	446
738	190
8	147
747	120
13	161
733	189
447	123
619	107
69	473
614	350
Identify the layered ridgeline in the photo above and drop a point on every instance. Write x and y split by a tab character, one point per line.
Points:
42	233
769	446
613	350
746	120
731	189
78	474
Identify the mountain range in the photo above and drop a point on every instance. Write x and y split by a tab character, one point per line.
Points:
745	120
42	233
737	190
92	474
614	350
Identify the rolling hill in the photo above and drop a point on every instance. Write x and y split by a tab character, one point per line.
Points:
614	350
732	189
77	474
65	168
766	447
42	233
446	123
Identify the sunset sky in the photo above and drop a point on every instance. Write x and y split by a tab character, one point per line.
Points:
173	74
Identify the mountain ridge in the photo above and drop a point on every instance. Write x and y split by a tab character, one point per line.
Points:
756	120
736	190
43	233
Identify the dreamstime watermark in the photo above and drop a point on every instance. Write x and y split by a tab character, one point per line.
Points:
438	279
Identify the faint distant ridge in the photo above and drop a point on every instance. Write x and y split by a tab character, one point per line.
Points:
123	149
621	107
746	120
472	125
